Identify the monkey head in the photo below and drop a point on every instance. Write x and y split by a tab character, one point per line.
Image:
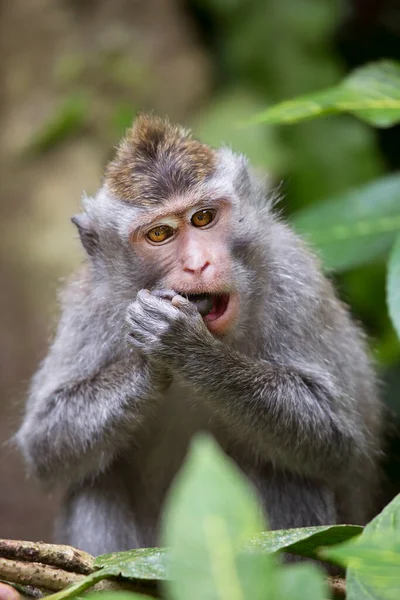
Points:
176	214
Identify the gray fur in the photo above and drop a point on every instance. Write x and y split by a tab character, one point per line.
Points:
290	394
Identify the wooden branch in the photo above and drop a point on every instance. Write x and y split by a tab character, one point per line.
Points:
41	567
65	557
37	574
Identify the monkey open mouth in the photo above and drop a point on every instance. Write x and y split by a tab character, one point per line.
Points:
210	306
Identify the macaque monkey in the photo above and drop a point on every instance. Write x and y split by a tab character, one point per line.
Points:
197	309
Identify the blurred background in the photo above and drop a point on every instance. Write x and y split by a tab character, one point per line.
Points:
73	74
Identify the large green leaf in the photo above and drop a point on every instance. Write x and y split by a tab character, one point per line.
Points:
393	286
374	561
300	582
294	582
152	563
304	541
144	563
372	558
210	513
371	92
355	227
379	552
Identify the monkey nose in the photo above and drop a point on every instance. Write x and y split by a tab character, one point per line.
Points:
196	269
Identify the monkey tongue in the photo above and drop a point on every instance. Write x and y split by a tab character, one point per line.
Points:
203	302
220	304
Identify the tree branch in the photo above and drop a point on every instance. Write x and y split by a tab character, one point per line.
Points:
37	574
65	557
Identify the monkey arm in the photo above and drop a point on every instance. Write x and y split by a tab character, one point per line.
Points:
75	428
91	393
286	414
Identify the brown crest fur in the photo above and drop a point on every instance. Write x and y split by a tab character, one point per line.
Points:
155	160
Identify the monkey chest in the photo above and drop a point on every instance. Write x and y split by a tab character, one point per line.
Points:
160	453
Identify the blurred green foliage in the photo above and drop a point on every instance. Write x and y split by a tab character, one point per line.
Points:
69	118
371	93
359	225
355	227
393	287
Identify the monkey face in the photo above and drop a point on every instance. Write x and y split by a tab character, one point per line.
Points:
189	240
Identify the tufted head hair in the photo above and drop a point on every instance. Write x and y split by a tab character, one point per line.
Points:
155	160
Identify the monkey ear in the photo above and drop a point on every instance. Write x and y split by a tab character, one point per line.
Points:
88	235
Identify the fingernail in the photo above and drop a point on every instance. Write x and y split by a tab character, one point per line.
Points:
177	300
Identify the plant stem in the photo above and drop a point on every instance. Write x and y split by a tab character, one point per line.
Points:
78	587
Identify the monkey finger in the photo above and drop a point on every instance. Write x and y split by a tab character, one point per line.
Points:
177	299
146	322
185	305
158	295
135	315
139	334
142	309
164	294
142	340
156	306
180	302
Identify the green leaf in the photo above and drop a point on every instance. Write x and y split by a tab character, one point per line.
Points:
152	563
304	541
372	93
144	563
370	558
355	227
393	286
388	519
379	550
301	582
210	513
374	560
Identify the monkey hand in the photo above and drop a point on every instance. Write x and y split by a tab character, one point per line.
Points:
166	326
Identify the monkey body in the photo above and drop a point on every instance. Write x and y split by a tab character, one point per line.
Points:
277	371
121	508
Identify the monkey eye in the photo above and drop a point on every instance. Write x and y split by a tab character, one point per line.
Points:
204	217
160	233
